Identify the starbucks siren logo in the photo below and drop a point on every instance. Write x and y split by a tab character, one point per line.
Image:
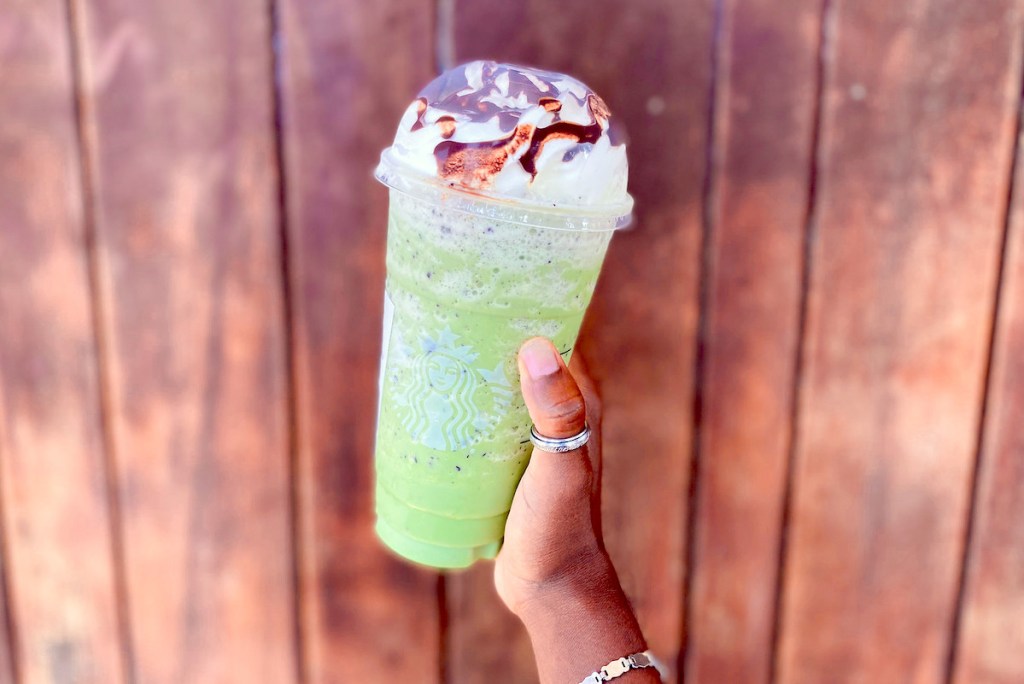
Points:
445	402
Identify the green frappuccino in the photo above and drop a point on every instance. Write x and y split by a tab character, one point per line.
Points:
506	186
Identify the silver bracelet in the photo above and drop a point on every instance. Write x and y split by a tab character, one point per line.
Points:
621	666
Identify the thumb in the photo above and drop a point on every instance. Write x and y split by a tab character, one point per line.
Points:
558	410
552	396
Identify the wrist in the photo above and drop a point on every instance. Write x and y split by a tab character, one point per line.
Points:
588	583
581	621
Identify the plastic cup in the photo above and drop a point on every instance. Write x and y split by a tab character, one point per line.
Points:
469	279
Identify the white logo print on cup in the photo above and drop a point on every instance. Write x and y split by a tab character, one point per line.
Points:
443	401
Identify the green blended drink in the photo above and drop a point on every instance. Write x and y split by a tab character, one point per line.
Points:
506	186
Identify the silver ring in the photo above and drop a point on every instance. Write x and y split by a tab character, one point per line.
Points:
559	446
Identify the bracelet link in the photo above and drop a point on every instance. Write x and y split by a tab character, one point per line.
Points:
641	660
616	668
621	666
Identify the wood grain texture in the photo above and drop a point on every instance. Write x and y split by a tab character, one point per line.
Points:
763	132
917	119
59	568
349	69
485	643
179	104
917	132
58	565
990	649
8	665
651	61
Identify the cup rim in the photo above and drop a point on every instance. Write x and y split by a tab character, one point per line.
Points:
556	216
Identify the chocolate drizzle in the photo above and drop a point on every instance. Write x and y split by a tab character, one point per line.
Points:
421	108
562	129
475	164
503	94
551	104
447	126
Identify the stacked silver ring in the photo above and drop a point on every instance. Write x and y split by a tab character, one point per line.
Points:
559	445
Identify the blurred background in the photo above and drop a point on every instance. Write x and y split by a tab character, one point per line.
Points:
809	343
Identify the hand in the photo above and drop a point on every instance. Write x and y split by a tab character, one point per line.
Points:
553	571
553	533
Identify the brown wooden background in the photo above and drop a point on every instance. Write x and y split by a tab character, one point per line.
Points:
811	344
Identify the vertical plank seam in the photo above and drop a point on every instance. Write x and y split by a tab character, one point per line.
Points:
85	149
979	452
709	199
825	41
444	58
288	339
443	674
444	35
10	623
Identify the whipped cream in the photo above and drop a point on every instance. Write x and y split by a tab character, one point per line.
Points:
514	132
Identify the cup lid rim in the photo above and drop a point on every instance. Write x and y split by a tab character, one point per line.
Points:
400	177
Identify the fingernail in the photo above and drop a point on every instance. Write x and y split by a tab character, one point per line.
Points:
540	358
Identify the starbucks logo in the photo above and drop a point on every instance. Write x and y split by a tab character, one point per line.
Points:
445	402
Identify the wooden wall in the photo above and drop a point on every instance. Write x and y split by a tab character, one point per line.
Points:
809	343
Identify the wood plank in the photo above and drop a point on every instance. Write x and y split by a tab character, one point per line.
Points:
8	668
917	132
990	649
651	61
764	121
179	102
58	564
349	69
7	661
485	643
